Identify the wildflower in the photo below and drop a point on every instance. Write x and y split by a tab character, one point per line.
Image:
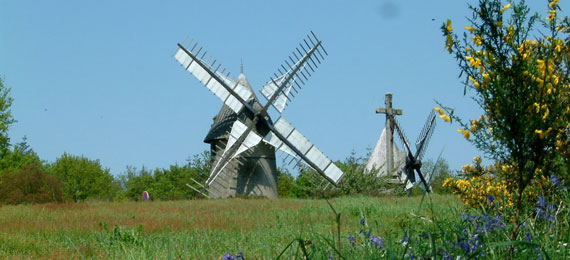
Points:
464	132
490	199
377	241
537	107
449	25
475	83
330	255
544	210
239	256
228	257
553	4
350	239
477	40
446	118
558	184
528	236
505	8
470	29
439	110
540	133
551	16
362	222
449	43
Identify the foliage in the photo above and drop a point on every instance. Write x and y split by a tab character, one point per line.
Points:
82	178
20	155
475	233
167	184
354	181
29	184
6	118
523	86
284	183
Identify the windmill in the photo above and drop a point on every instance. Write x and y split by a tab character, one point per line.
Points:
404	164
254	127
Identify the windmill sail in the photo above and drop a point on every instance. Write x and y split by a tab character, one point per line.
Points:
425	135
293	71
306	150
235	96
238	130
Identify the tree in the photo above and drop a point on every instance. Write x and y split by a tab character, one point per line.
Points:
284	183
30	184
21	155
5	118
82	178
523	86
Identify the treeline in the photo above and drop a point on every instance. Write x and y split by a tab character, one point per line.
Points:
25	178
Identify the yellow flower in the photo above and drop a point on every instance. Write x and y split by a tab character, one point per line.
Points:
486	79
446	118
542	134
449	43
475	83
464	132
470	29
551	16
438	109
537	107
505	8
477	40
449	25
500	23
546	113
553	4
558	47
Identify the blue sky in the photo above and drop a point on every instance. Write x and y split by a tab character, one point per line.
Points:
96	78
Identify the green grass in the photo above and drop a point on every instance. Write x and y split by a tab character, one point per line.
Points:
197	229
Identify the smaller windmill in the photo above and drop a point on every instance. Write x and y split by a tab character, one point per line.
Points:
402	165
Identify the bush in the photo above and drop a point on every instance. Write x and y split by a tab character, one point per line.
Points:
82	178
30	184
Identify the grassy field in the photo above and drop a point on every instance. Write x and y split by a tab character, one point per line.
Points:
197	229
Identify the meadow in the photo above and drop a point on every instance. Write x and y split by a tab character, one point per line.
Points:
198	229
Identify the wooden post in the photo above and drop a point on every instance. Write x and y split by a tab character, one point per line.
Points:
390	113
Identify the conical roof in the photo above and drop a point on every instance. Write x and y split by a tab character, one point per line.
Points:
224	120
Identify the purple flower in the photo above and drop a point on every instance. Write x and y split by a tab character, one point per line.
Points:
240	256
528	236
228	257
377	241
362	222
558	184
350	239
490	199
405	239
544	210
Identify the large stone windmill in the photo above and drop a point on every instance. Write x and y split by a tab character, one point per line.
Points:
243	136
389	160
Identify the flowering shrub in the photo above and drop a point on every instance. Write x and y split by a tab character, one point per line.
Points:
522	83
475	192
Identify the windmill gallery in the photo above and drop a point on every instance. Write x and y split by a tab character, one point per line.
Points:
243	137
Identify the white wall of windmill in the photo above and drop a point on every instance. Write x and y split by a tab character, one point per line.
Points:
378	157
